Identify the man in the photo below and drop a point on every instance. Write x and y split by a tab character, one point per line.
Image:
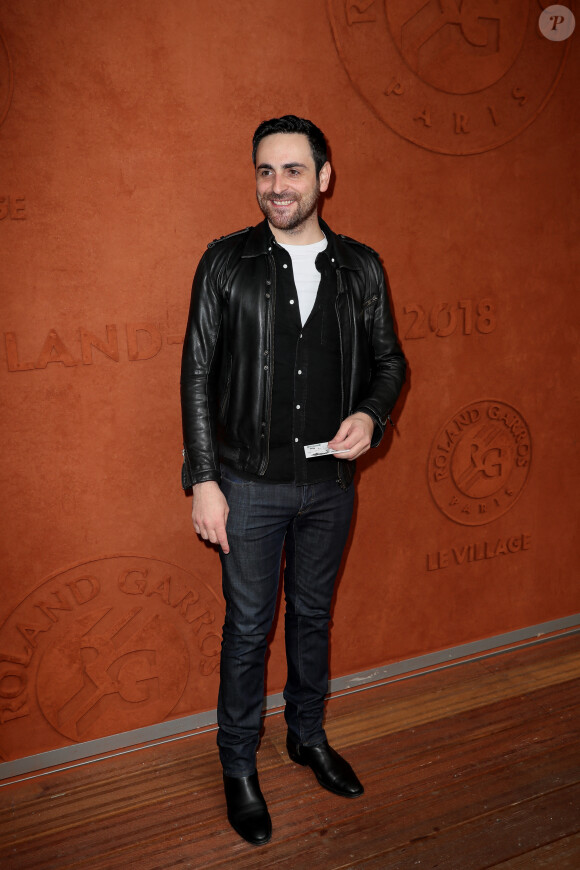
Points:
289	343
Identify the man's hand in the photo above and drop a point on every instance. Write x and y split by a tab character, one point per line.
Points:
210	512
354	435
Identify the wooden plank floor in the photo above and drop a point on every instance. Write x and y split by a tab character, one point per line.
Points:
471	767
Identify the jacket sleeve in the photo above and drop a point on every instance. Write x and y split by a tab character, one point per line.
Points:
200	376
388	365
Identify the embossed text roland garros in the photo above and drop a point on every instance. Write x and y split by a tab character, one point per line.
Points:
125	342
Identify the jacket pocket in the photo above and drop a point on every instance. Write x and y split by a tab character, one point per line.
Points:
368	313
225	399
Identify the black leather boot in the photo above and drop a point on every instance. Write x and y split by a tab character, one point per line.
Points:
330	769
247	811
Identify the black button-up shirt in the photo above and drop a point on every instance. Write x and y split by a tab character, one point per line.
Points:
306	396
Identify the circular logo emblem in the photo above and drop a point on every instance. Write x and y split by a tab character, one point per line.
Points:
453	77
6	79
557	23
111	645
479	462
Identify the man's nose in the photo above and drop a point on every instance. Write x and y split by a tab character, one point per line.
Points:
279	184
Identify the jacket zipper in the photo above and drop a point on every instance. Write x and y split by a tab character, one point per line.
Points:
271	317
339	479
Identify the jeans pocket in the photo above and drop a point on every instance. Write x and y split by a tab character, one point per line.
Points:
232	477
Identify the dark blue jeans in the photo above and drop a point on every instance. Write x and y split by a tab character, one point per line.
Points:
312	522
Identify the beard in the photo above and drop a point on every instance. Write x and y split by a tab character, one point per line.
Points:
291	218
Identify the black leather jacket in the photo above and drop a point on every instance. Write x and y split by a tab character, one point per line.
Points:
226	374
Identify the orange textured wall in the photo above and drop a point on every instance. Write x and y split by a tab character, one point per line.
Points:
124	148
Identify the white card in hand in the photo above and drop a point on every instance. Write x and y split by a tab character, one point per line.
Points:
321	449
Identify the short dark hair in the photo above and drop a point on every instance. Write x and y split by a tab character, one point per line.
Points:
293	124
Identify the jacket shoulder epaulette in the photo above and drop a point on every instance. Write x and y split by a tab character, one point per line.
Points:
360	244
228	236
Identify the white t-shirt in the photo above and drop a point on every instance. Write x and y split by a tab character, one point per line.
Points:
306	275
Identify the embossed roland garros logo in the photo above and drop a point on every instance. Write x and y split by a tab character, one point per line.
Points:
453	76
117	643
479	462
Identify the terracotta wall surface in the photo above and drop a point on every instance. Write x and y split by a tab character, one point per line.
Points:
124	149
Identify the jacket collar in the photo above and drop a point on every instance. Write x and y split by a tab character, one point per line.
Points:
260	239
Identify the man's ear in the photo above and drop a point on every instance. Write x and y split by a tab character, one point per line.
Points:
324	176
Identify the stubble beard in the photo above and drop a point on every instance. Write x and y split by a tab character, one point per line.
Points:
306	206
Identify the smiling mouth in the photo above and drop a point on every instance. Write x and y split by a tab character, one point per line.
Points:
282	202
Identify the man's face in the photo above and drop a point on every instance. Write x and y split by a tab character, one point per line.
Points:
287	187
